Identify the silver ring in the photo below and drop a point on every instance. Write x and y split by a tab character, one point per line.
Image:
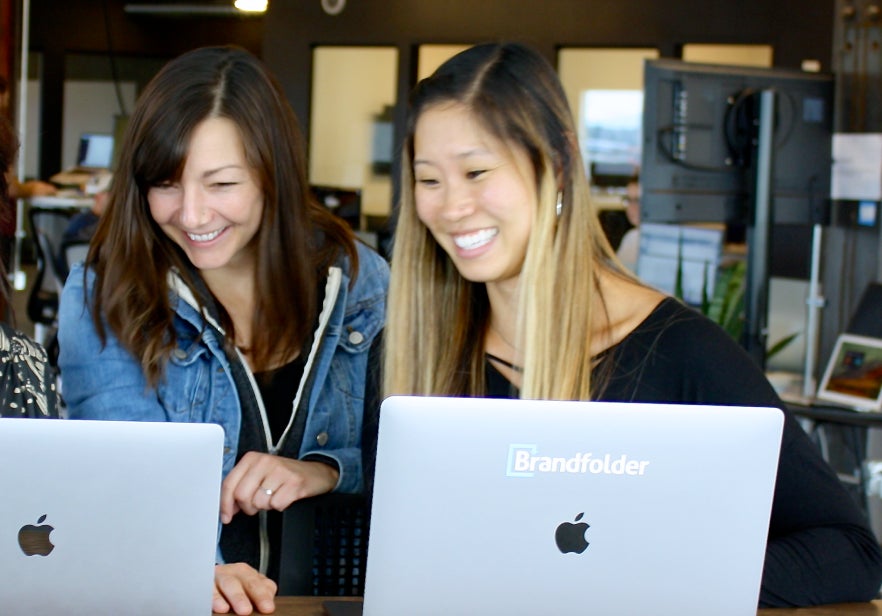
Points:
268	492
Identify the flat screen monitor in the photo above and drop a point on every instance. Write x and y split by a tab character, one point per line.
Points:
699	132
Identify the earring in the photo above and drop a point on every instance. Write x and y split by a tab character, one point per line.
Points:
559	206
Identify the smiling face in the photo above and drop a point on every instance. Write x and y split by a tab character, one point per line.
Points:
214	209
475	194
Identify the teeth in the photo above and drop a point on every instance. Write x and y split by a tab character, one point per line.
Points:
475	240
205	237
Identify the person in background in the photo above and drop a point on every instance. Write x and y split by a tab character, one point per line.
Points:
82	225
27	381
629	248
216	289
495	226
19	189
16	188
29	188
78	233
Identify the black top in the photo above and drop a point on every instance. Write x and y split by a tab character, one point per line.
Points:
820	548
278	388
240	539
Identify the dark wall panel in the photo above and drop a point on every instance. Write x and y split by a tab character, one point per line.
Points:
285	36
293	28
62	27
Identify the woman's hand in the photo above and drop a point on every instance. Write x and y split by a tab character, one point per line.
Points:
261	481
240	589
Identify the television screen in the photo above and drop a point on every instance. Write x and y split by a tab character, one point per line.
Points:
699	133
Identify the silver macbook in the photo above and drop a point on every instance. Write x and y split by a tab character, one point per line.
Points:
94	155
486	506
106	517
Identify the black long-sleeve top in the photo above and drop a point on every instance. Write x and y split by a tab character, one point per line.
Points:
820	548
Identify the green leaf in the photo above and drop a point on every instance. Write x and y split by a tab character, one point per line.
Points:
725	306
782	344
678	283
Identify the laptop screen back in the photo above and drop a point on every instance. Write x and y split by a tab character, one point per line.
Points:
95	151
107	517
536	507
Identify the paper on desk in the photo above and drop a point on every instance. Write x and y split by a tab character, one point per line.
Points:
857	167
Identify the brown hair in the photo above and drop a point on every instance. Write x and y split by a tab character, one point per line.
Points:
295	244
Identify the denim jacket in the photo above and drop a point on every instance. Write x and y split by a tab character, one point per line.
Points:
106	382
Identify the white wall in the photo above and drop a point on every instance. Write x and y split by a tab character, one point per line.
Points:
351	85
741	55
90	106
30	140
433	56
600	69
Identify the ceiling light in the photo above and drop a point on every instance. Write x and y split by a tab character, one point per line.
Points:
251	6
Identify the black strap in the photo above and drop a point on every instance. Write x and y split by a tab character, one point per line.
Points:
499	360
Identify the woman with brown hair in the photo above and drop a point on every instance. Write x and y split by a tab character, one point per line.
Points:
217	290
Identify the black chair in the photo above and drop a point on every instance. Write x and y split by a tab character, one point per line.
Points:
324	546
47	226
71	253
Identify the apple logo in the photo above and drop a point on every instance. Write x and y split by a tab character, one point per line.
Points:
570	537
35	539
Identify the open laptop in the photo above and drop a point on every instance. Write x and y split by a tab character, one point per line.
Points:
486	506
853	376
106	517
94	156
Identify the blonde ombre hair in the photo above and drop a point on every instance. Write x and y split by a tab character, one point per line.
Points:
436	320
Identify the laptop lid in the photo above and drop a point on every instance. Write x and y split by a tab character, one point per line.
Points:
95	151
485	506
106	517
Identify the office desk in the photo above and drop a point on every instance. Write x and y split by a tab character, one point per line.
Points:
849	431
873	608
833	414
308	606
312	606
81	202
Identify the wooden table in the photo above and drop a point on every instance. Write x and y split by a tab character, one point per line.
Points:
873	608
307	606
312	606
62	202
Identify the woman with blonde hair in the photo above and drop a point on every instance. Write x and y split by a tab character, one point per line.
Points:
503	285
